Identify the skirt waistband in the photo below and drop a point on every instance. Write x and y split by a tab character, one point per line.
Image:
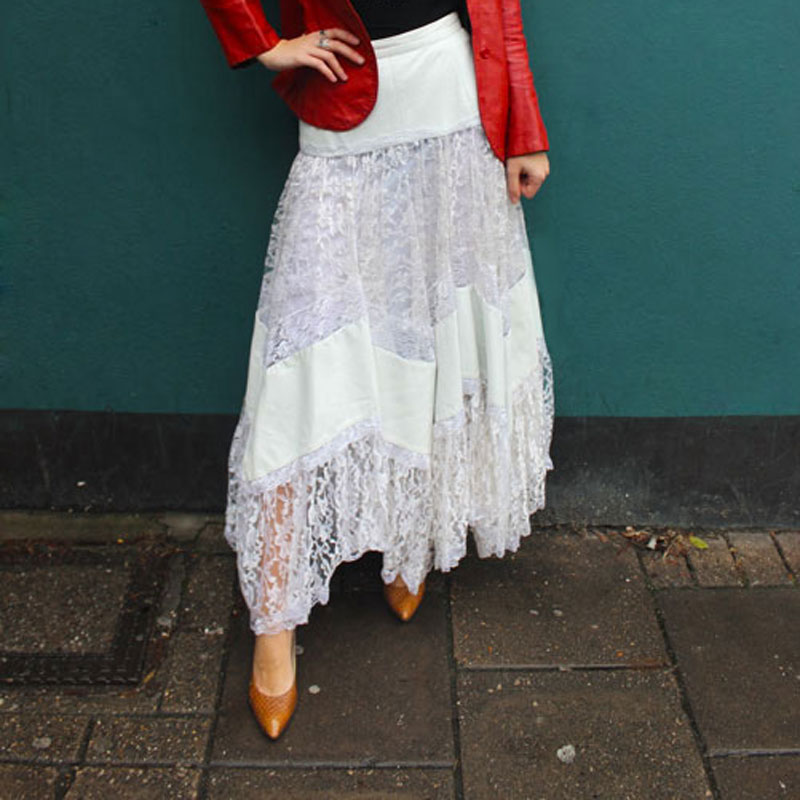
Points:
426	88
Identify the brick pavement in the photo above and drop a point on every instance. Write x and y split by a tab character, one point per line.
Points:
620	664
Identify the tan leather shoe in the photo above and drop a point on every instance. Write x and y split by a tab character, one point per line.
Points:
401	601
273	711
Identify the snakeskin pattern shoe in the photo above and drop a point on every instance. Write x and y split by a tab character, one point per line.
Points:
273	711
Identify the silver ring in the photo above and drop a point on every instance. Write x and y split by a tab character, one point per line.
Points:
323	39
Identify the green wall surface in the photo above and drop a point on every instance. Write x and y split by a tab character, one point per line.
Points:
139	175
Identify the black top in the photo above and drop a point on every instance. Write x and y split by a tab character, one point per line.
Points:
389	17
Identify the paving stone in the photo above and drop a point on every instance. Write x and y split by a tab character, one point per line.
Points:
171	592
670	571
371	689
80	699
148	740
209	595
211	539
714	566
758	777
789	542
182	526
38	737
323	784
561	599
582	734
134	783
739	650
757	555
25	782
78	527
90	606
63	608
192	672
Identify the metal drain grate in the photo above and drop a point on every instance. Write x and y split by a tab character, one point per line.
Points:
123	662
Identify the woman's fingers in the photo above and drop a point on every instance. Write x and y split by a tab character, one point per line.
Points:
530	185
310	60
512	178
330	59
525	175
305	50
332	46
342	34
345	50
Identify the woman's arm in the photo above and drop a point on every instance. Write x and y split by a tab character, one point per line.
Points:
242	29
527	165
526	132
246	37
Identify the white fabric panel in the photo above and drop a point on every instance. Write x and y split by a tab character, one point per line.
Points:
307	399
304	400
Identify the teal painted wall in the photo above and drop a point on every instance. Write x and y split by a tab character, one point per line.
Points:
139	176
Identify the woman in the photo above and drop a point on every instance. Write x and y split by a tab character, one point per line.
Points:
399	386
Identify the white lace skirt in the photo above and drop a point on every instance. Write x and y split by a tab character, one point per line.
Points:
399	386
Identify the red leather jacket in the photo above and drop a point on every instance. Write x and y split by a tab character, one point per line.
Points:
507	99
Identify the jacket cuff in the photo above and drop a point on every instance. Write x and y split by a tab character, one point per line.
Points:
242	29
526	132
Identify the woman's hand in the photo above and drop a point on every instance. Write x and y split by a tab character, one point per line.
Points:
305	51
526	174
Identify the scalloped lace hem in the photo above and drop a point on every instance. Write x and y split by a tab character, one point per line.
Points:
486	472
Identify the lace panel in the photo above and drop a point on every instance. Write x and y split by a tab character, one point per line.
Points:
292	528
387	233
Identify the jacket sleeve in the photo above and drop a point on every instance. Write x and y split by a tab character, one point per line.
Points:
526	131
242	29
